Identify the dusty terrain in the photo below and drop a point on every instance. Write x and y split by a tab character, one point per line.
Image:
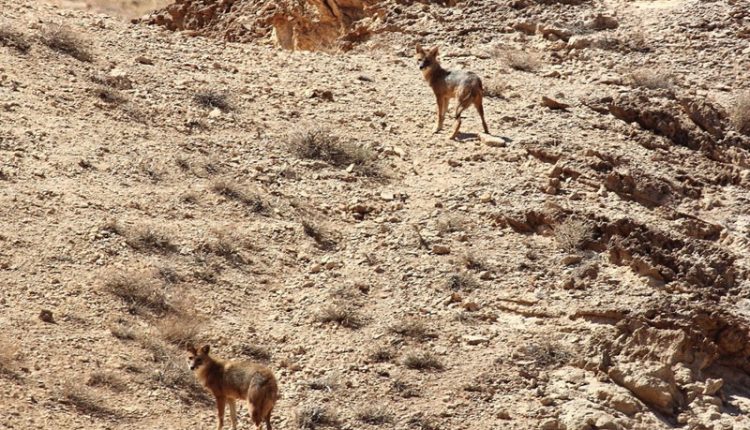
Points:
585	268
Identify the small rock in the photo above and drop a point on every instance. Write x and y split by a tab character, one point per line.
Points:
316	268
550	424
493	141
441	249
215	113
144	60
387	196
485	198
475	340
554	104
571	259
46	316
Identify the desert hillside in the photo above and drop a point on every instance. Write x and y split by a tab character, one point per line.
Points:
262	176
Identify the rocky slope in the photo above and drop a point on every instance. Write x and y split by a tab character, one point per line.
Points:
585	268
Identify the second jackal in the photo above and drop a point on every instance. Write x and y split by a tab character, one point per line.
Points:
465	86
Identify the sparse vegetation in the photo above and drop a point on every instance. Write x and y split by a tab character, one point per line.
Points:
461	281
234	192
84	401
414	328
519	60
327	383
256	352
316	143
109	96
123	332
224	244
65	41
740	113
374	415
190	198
545	354
212	99
106	379
180	329
340	314
420	422
139	290
422	360
404	389
174	374
148	239
311	417
381	355
12	38
572	234
651	79
322	237
472	261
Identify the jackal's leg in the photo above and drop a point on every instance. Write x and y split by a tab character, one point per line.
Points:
268	422
460	106
480	109
440	113
220	403
233	413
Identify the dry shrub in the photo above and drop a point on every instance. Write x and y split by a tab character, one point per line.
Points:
256	352
173	373
472	261
148	239
212	99
518	59
340	314
181	329
422	360
12	38
190	198
545	354
381	355
64	40
420	422
740	113
139	290
404	389
651	79
572	234
237	193
318	143
109	96
322	236
225	244
374	415
461	282
414	328
106	379
85	401
326	383
310	417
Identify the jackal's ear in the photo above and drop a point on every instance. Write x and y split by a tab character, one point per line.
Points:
205	349
433	52
419	49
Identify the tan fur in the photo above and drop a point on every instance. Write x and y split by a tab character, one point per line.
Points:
465	86
229	381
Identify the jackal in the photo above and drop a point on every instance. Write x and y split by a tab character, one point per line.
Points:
465	86
236	380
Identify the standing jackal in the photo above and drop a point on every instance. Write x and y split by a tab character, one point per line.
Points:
236	380
465	86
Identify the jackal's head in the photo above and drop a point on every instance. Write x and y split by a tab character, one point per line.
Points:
197	357
426	59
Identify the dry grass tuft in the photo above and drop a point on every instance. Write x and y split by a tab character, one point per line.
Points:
414	328
651	79
139	290
322	237
381	355
311	417
420	422
212	99
256	352
148	239
12	38
545	354
235	192
123	332
64	40
180	330
85	401
174	374
422	360
472	261
404	389
325	383
519	60
461	282
340	314
317	143
225	244
107	379
109	96
572	234
740	113
374	415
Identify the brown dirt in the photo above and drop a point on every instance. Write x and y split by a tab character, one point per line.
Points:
583	269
